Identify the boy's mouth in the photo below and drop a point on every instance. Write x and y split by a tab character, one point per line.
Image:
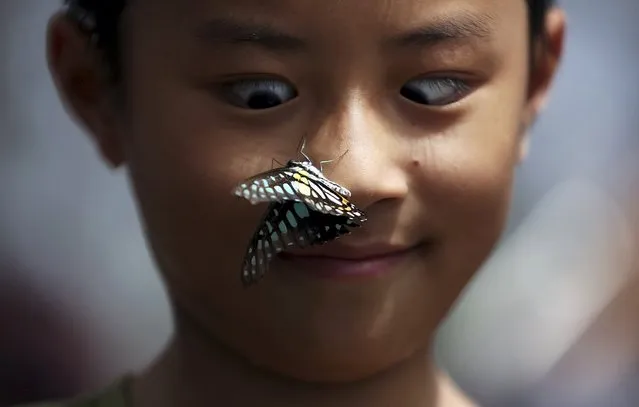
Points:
340	261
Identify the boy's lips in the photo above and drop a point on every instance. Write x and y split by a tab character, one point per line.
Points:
349	261
348	252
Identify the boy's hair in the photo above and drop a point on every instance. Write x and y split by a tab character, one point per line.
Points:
101	18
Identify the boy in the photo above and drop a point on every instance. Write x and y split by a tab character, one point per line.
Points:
430	100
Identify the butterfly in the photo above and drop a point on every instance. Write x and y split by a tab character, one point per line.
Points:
289	224
300	181
305	209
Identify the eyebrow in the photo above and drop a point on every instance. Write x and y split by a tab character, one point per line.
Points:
226	31
229	31
463	26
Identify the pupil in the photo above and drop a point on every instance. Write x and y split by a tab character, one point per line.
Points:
263	100
413	95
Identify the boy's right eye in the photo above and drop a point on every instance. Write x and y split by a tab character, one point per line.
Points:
258	94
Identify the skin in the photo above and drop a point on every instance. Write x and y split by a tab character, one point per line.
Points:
436	179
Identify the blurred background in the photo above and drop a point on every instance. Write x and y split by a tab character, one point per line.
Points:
551	320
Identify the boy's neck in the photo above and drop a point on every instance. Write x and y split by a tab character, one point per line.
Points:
196	371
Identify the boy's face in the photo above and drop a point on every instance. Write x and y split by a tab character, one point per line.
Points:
429	97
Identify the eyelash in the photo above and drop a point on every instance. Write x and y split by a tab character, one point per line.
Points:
458	90
262	93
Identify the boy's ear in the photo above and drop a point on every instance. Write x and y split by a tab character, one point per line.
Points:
546	55
524	146
78	73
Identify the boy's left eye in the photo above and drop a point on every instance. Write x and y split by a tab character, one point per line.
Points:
258	94
435	91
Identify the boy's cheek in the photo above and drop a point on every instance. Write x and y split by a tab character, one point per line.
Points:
191	215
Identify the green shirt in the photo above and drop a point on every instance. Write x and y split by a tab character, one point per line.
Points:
115	395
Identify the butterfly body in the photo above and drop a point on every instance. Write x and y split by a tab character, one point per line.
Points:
314	173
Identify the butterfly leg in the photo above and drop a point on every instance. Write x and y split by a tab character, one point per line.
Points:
301	147
274	161
321	163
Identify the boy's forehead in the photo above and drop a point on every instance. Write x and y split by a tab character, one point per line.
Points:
335	9
340	17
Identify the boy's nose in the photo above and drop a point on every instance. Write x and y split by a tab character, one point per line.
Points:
364	155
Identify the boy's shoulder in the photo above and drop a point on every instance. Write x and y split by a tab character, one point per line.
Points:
115	395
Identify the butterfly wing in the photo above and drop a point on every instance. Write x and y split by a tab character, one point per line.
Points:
269	185
295	183
277	185
285	225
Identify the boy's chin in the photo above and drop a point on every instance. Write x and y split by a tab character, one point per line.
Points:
335	356
336	368
321	332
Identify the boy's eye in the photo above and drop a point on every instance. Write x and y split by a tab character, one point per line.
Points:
258	93
435	91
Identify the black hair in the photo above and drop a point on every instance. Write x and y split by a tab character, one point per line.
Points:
100	19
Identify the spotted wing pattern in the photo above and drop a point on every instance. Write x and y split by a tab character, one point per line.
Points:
255	188
285	225
301	182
